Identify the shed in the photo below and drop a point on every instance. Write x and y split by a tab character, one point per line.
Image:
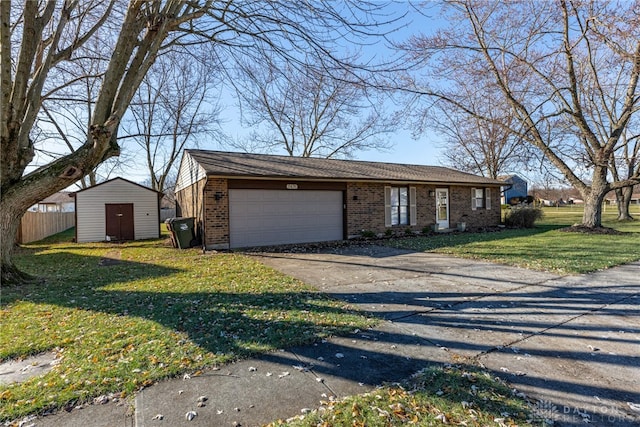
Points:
117	209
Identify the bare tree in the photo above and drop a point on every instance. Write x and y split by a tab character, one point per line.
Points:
41	40
66	117
487	146
308	112
567	70
174	106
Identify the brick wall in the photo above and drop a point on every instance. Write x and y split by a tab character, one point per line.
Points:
365	208
217	214
366	213
460	209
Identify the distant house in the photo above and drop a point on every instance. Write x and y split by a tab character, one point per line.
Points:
117	209
611	198
241	199
61	201
515	190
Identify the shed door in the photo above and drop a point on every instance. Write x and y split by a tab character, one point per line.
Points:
274	217
119	221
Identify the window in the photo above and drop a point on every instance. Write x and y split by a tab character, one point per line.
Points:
478	195
400	206
480	198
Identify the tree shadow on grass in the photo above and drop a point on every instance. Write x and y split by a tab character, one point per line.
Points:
141	322
215	319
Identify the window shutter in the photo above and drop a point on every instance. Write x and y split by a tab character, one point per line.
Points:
473	199
387	206
413	211
487	195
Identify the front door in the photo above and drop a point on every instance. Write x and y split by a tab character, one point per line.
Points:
119	221
442	208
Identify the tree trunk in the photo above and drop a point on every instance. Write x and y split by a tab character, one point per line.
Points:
592	216
623	199
10	217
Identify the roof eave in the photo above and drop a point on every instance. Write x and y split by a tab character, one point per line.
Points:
353	179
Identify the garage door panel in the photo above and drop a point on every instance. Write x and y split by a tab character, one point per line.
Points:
269	217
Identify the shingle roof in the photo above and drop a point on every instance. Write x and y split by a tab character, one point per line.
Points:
245	165
58	198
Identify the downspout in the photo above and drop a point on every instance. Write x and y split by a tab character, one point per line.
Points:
204	235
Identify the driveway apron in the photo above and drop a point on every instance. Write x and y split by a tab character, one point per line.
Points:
571	344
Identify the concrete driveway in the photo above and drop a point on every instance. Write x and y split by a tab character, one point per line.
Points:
569	343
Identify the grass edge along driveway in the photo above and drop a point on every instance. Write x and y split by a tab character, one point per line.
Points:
544	247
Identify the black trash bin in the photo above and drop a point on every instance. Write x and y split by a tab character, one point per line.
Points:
183	230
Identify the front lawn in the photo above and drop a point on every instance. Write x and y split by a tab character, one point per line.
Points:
544	247
122	316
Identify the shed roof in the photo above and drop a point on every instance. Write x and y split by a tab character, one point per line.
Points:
115	179
264	166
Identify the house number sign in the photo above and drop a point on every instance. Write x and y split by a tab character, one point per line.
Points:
292	186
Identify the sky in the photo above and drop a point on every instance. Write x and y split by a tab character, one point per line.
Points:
424	149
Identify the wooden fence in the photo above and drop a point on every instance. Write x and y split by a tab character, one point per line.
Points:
38	225
167	213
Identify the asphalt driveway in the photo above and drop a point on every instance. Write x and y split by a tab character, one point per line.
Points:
569	343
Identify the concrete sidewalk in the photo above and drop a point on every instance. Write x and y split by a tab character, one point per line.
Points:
570	343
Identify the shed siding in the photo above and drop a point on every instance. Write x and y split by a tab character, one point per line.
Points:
90	210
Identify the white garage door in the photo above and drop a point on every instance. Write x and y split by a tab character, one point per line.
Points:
273	217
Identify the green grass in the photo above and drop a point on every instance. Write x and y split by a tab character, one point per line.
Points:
543	247
456	395
123	316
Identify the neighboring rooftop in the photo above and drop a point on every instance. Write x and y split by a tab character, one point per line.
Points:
225	164
58	198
